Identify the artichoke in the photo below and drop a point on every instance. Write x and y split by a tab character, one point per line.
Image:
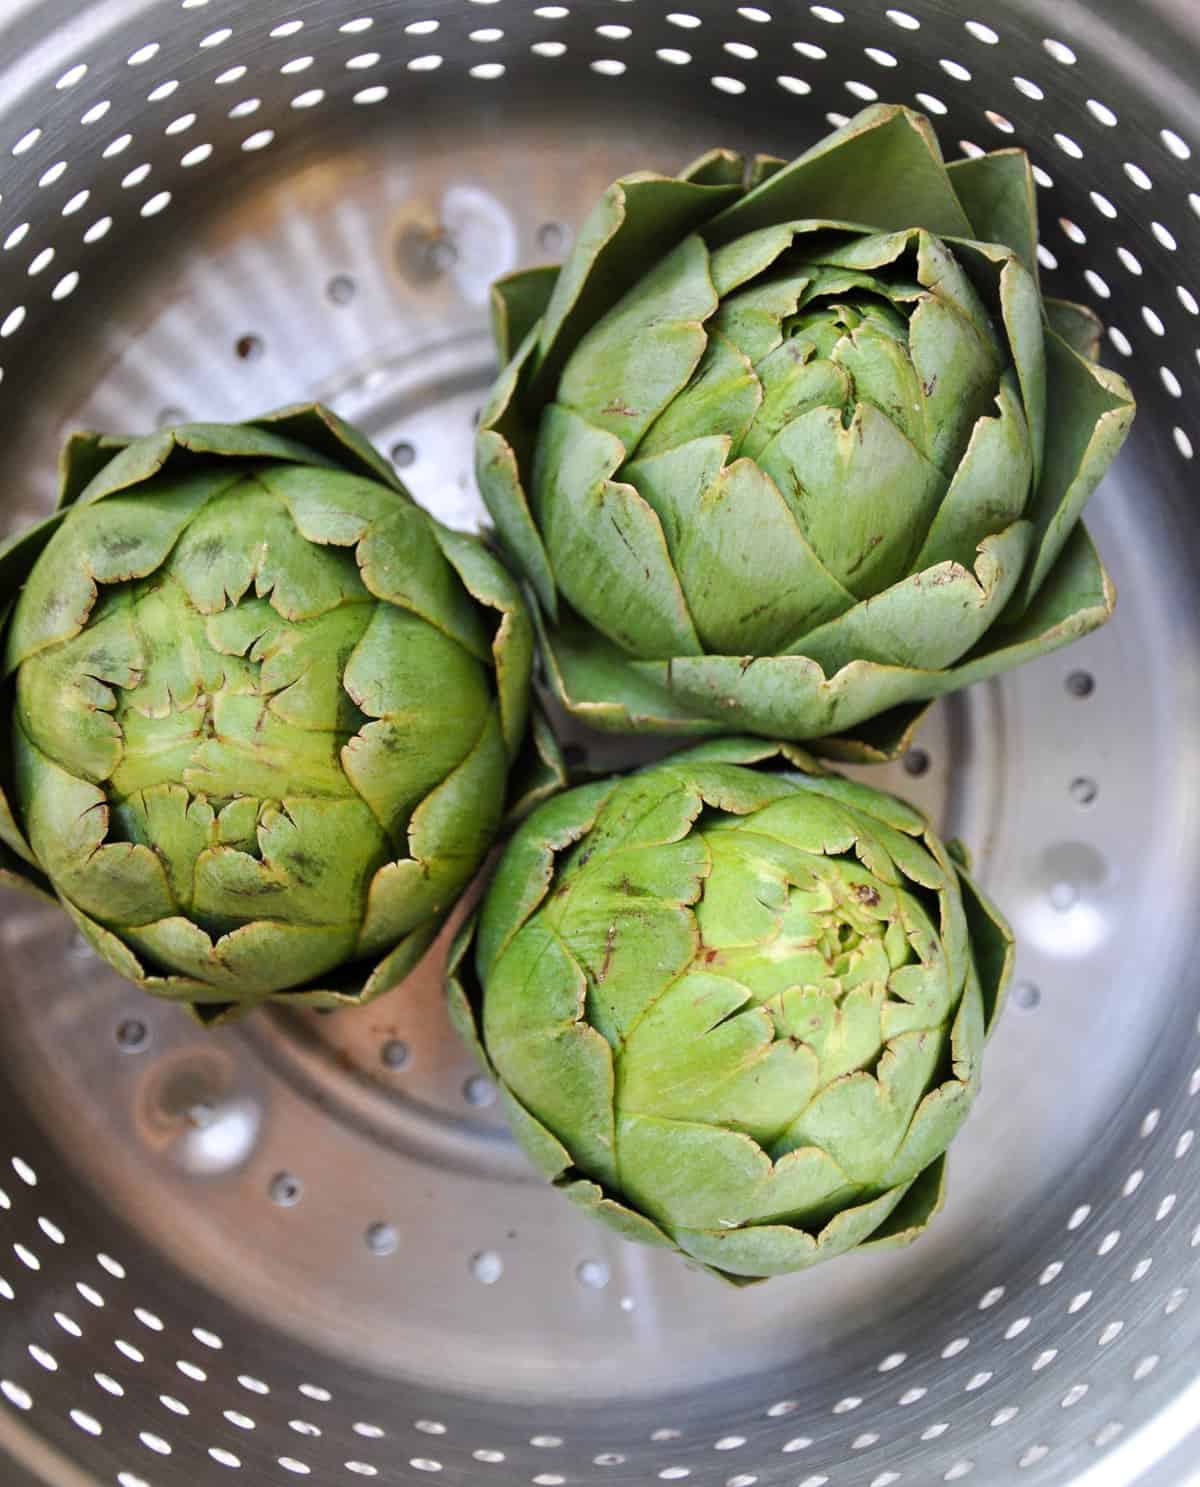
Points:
262	710
736	1005
795	451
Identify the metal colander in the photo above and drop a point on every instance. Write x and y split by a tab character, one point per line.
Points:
305	1246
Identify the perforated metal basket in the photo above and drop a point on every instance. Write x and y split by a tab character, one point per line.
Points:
305	1247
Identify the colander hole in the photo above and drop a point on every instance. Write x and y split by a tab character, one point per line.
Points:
382	1239
238	1420
190	1371
490	1458
404	454
1084	791
1016	1327
148	1319
912	1396
249	347
286	1189
361	1469
1026	997
224	1458
916	762
27	1257
15	1395
109	1385
797	1443
127	1350
341	289
1080	683
68	1325
176	1406
133	1035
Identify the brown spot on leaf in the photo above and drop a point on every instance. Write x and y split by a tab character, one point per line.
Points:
865	894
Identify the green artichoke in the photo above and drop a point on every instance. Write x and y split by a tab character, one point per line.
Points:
262	710
736	1005
804	450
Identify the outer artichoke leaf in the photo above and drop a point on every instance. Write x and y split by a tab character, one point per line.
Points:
786	697
883	168
118	955
866	542
939	270
878	739
463	993
930	619
519	300
1078	325
398	962
18	555
594	680
997	192
990	488
689	1175
762	168
992	947
917	1209
637	221
80	460
130	538
250	441
250	962
649	809
889	810
1076	597
776	1249
544	1150
1007	284
65	699
557	1066
740	750
623	1221
449	834
523	874
1089	413
491	585
940	1115
67	823
320	430
610	557
629	366
539	770
15	869
717	167
503	454
749	575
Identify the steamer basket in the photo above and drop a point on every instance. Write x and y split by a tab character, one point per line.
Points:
306	1247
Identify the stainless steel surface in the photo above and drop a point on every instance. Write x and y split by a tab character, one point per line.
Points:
306	1246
